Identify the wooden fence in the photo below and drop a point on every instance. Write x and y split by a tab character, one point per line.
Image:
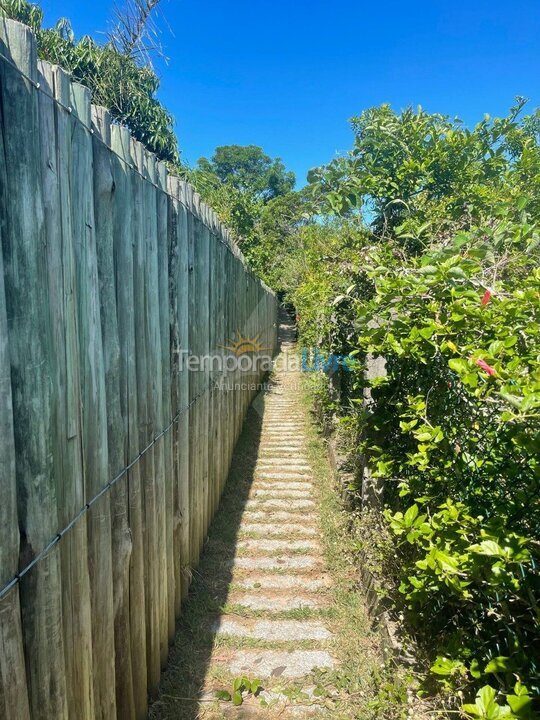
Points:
113	453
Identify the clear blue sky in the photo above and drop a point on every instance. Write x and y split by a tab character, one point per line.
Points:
288	74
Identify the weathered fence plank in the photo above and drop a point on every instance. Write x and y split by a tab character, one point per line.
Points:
25	268
124	217
67	439
93	405
166	411
181	351
13	690
104	191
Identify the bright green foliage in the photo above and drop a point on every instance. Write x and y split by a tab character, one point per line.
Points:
252	193
446	287
118	81
249	169
241	687
416	168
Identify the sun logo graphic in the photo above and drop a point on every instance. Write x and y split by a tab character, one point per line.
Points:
240	345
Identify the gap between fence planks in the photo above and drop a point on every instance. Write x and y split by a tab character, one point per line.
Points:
110	271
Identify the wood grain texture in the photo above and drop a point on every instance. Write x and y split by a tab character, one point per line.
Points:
13	689
67	438
125	215
27	309
105	198
93	404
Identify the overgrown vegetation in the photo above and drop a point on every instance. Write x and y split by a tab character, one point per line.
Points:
433	265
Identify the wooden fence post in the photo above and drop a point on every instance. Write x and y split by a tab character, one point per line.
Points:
182	311
67	440
162	210
105	195
125	216
13	690
94	407
26	293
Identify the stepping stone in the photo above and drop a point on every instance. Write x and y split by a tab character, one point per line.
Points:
304	706
282	432
278	493
279	602
282	427
285	485
283	582
265	529
278	664
272	454
285	472
277	545
271	415
278	516
278	436
280	562
272	630
289	463
276	439
281	504
280	449
284	417
282	423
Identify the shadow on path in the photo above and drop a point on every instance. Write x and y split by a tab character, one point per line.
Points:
183	680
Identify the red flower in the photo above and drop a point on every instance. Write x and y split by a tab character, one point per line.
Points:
487	368
486	298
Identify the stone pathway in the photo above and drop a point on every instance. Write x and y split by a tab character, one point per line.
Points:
267	595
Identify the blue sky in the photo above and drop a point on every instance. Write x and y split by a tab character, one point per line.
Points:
288	75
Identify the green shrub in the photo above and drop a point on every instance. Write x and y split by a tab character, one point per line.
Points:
445	285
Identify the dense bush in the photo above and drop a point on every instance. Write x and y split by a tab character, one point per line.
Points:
444	284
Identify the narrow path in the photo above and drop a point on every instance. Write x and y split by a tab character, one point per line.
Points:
260	598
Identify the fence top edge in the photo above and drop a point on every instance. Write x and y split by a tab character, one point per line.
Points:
145	162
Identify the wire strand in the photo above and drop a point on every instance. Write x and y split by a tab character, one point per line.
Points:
18	576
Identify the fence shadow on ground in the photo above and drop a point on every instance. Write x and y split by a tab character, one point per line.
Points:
183	680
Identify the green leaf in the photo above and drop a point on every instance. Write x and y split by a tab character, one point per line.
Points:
237	698
458	365
410	516
475	669
458	273
521	705
238	683
256	686
223	695
488	547
498	664
446	666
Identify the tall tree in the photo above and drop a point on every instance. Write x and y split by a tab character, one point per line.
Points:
249	169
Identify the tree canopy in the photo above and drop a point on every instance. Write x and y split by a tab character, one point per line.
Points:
249	169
